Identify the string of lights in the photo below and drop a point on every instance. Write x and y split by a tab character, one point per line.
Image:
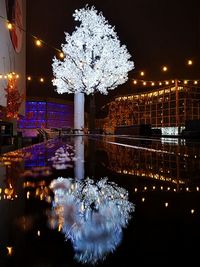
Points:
42	79
134	82
163	82
38	41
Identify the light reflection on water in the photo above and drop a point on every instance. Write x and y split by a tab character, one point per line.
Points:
162	180
155	160
91	215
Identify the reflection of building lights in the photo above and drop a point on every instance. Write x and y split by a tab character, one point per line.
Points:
10	251
28	195
59	227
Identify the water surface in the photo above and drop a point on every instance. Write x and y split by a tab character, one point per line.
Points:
100	200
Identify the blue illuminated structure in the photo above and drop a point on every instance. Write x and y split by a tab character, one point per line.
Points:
50	113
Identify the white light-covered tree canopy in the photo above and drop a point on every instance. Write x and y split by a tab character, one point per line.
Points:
93	60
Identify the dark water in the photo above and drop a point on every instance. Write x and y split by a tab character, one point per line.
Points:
101	201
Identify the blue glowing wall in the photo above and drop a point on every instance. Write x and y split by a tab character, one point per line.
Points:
47	114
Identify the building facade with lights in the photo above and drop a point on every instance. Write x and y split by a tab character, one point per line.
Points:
167	108
12	54
47	113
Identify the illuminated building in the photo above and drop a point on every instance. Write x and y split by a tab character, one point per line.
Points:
166	108
48	113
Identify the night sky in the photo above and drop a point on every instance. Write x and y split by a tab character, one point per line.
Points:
156	33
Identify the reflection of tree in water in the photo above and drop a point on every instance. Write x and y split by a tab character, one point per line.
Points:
91	215
63	158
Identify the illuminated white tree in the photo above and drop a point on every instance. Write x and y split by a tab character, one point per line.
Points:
94	61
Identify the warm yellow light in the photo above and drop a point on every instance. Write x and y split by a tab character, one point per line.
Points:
164	68
192	211
135	82
9	26
152	84
38	233
173	81
189	62
38	42
143	199
142	73
61	55
185	82
17	76
10	251
28	195
166	204
160	83
59	227
29	78
1	76
167	82
144	83
195	82
41	80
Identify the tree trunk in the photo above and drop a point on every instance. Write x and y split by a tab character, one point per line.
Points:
79	101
